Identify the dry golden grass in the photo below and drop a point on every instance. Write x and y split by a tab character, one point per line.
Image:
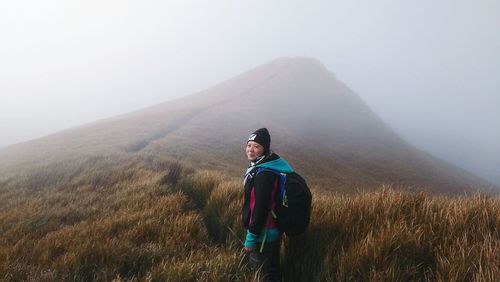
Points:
149	219
399	236
111	220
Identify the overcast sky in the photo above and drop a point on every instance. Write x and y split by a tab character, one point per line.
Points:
430	69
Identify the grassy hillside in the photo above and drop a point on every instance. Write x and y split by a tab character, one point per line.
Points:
148	219
322	127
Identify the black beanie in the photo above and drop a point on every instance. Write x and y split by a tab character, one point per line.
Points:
262	137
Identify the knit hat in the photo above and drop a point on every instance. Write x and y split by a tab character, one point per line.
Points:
262	137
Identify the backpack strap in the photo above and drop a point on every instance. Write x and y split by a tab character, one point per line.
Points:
263	241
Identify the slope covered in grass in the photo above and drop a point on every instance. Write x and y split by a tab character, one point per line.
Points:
147	219
108	219
322	127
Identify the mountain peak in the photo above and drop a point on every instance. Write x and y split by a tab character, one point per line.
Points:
303	64
322	127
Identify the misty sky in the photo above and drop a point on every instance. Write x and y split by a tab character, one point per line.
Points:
430	69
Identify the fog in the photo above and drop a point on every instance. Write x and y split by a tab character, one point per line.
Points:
430	69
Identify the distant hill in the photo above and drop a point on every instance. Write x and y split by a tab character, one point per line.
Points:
316	122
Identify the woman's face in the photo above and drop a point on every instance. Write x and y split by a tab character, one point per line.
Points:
254	150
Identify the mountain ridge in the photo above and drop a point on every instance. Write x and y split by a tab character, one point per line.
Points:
316	121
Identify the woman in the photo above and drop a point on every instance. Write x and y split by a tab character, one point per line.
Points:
263	239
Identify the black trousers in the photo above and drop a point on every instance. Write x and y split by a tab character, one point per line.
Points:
267	262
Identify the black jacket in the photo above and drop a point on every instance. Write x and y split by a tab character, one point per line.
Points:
262	185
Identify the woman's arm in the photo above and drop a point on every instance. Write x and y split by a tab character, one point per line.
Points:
263	186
